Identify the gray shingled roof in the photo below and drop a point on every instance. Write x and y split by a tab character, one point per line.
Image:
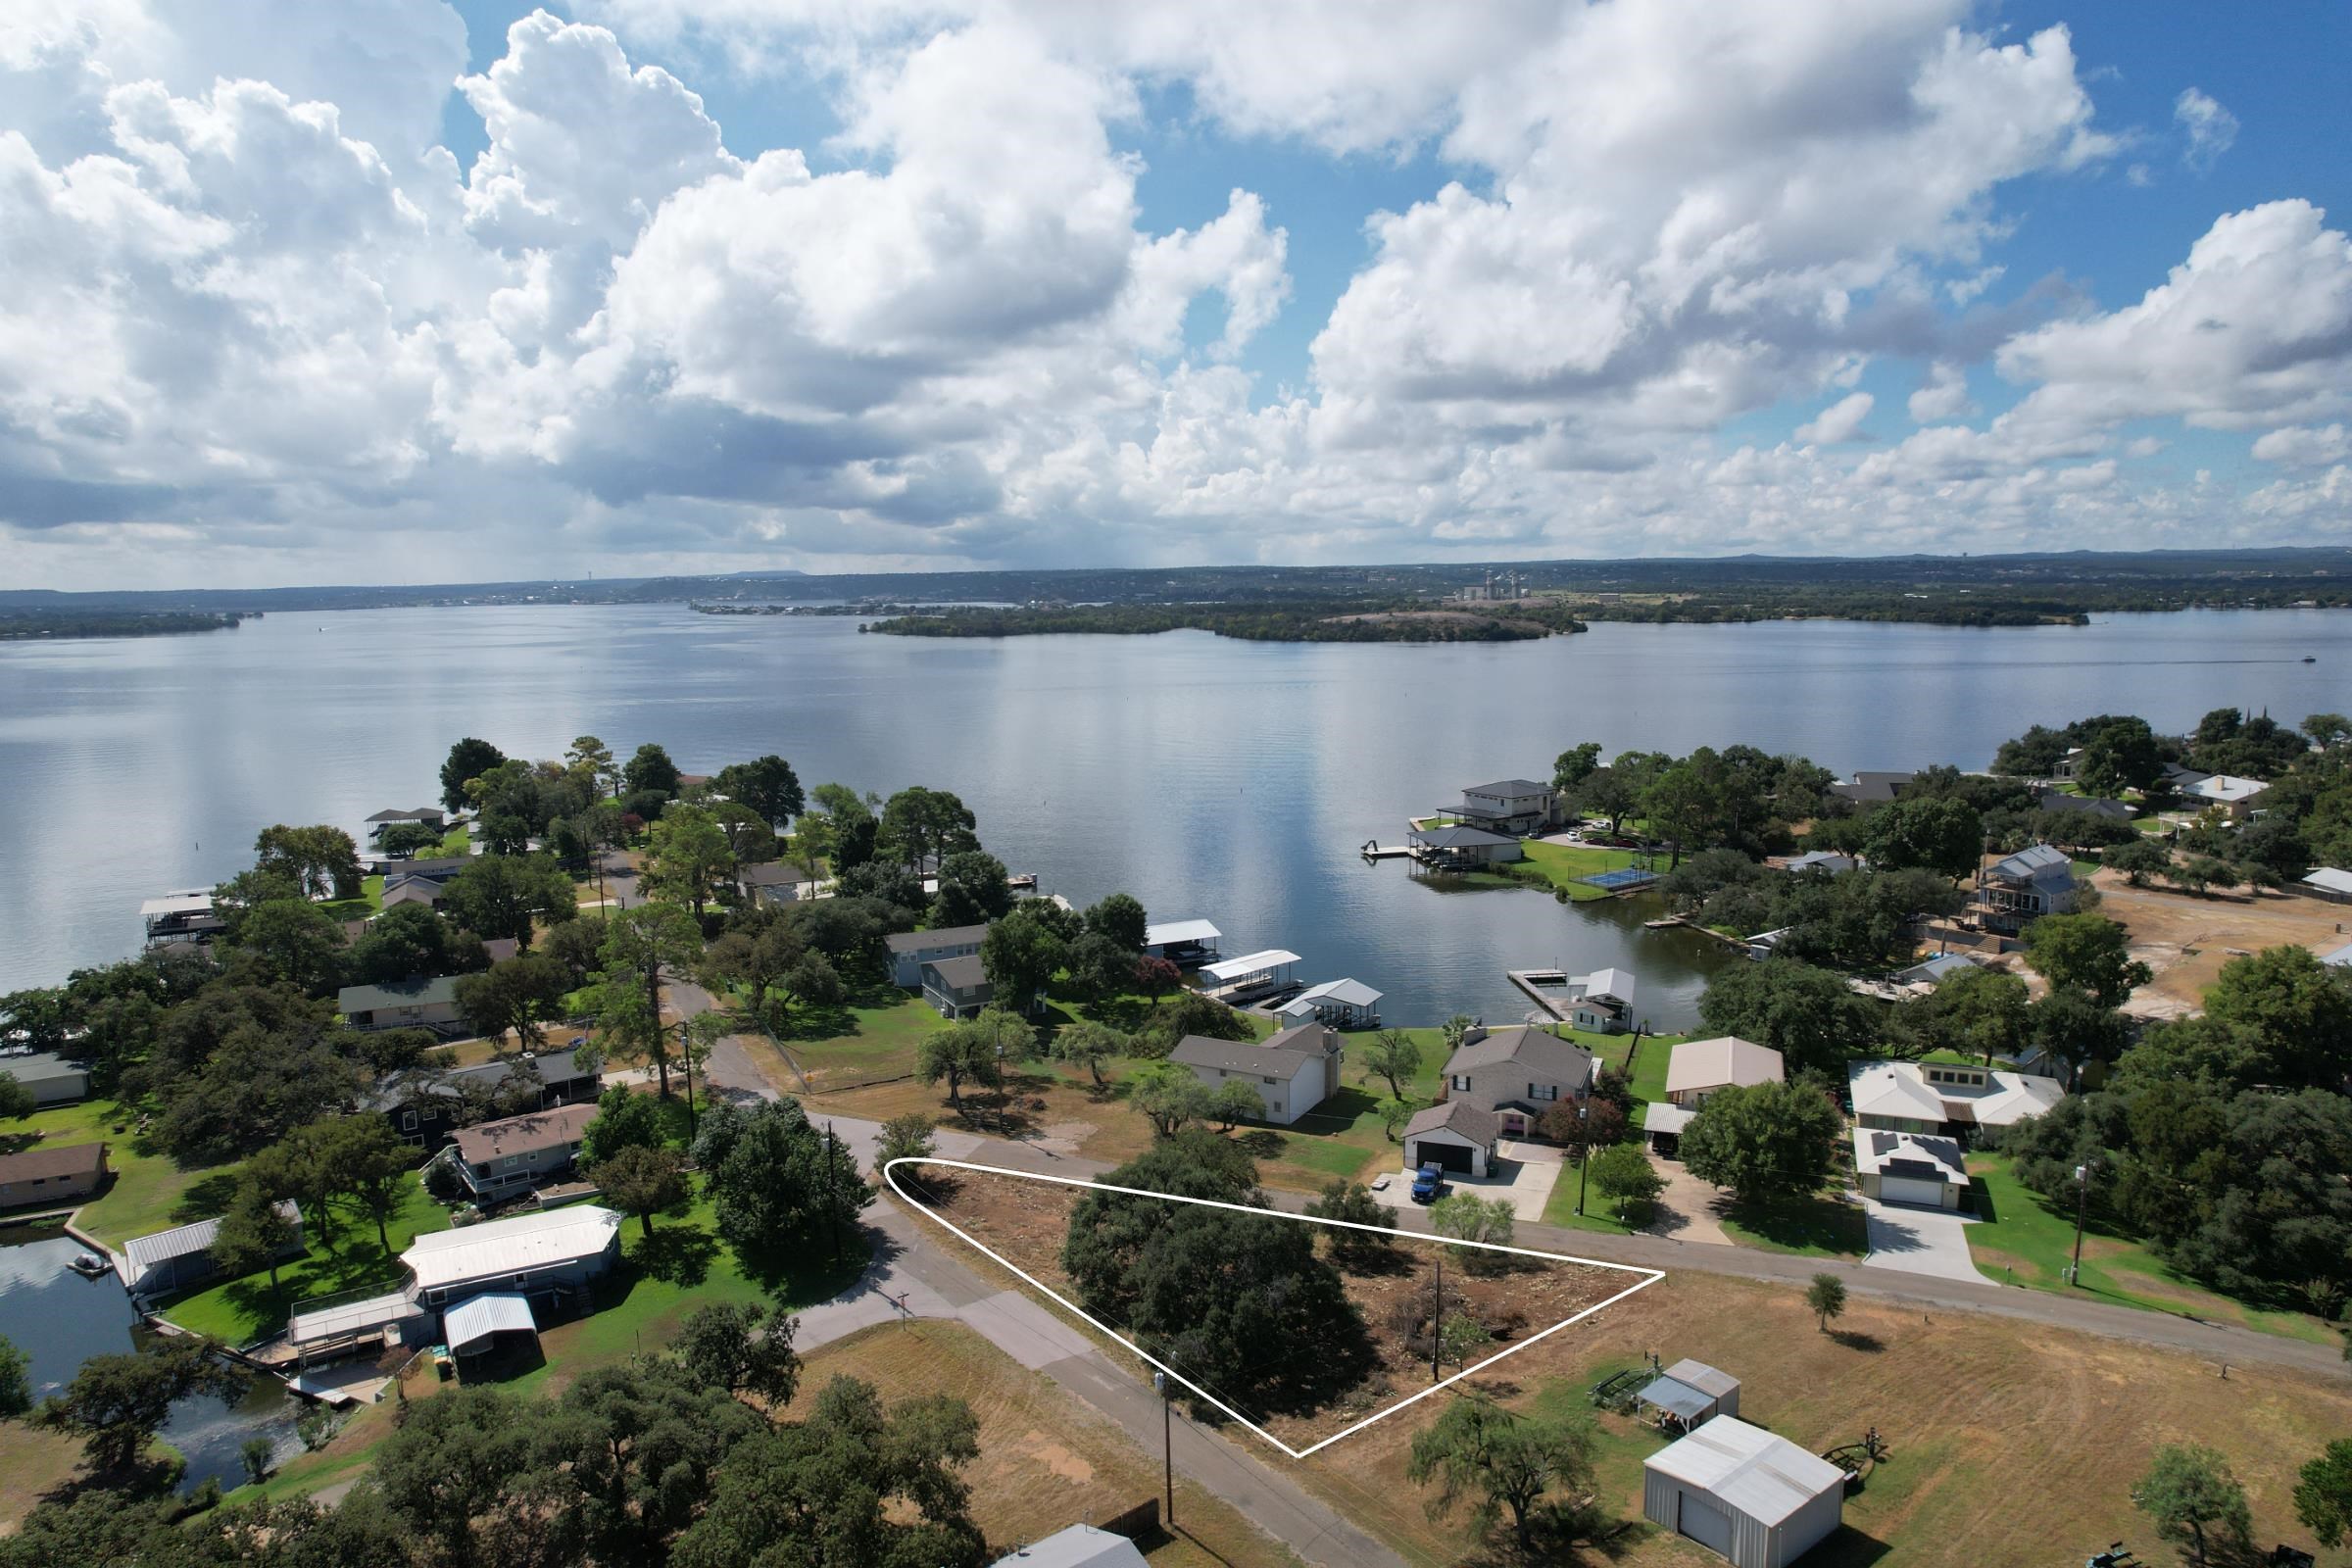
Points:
1281	1059
1525	1046
1458	838
953	936
404	994
1511	787
1481	1126
961	972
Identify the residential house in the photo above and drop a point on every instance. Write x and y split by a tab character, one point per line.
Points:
551	1254
1341	1003
1826	860
958	988
183	917
54	1079
1948	1099
49	1173
424	815
1696	1069
1601	1002
1293	1072
517	1154
766	885
2015	890
1917	1168
413	1004
426	1107
1518	1074
437	868
180	1259
1755	1498
1078	1546
1514	805
1872	788
2328	883
1462	848
400	890
1934	971
1457	1135
910	950
2340	958
2086	805
2231	794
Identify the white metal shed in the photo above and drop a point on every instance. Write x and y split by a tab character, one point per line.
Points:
1760	1500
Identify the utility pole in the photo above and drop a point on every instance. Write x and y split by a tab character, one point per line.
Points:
833	1188
686	1056
1437	1318
1584	1152
1167	1444
2074	1274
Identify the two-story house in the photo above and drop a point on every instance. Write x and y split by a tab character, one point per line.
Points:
515	1154
1515	806
910	950
413	1004
1518	1074
426	1107
1293	1072
2019	888
958	988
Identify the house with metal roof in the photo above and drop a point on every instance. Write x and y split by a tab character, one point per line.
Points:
1829	861
54	1079
1078	1546
1341	1003
178	1258
2328	883
1696	1069
1919	1168
1517	1075
1934	971
2019	888
910	950
2234	794
1292	1072
552	1253
1515	806
1737	1489
958	988
1950	1098
414	1004
1459	848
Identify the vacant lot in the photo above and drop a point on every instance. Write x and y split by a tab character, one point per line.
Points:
1046	1459
2186	939
2012	1443
1025	1222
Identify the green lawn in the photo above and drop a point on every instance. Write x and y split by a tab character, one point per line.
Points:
1563	864
147	1192
876	1034
2021	1238
244	1309
1818	1226
369	901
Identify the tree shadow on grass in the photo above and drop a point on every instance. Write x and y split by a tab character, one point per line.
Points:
680	1254
1815	1220
1263	1143
1856	1340
206	1198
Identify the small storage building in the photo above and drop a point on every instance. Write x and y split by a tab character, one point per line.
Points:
178	1258
1078	1546
1760	1500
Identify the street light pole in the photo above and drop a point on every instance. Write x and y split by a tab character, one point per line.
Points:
1437	1318
2074	1274
1583	1153
833	1188
1167	1445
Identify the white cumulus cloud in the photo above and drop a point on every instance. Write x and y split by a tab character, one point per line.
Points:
2209	129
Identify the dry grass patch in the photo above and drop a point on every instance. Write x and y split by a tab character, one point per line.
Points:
2186	940
1046	1460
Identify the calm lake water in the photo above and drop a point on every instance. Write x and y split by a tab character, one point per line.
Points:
1228	780
61	1320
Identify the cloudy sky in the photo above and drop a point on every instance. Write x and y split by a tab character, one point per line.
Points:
399	290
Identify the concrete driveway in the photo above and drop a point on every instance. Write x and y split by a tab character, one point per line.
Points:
1919	1241
1689	1209
1524	1173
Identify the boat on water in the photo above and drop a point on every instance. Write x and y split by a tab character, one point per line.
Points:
90	1267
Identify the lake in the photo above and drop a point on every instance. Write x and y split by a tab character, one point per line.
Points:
1215	778
60	1320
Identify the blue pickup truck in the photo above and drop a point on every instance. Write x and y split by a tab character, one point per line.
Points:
1429	1183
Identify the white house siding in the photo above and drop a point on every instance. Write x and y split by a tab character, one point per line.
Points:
1414	1159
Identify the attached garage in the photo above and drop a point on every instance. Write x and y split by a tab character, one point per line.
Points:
1911	1190
1759	1500
1456	1136
1913	1168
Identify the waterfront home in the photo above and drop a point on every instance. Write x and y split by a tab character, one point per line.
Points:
1292	1072
1461	849
424	816
958	988
1872	789
417	1003
400	890
2231	794
514	1153
1826	861
1188	943
2088	805
1342	1004
1936	971
51	1173
1696	1069
1925	1170
1944	1099
1518	1074
1764	943
1454	1135
180	1259
1601	1002
428	1106
1514	805
910	950
54	1079
552	1255
183	917
2019	888
769	884
2328	883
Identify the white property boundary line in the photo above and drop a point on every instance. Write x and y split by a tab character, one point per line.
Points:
1649	1276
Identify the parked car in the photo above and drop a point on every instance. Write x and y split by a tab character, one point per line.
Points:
1429	1183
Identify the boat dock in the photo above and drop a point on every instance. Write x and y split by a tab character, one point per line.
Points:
1533	981
1373	849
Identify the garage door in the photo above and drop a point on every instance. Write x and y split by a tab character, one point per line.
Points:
1706	1522
1910	1189
1453	1156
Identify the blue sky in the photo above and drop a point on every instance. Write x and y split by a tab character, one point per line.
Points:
1066	308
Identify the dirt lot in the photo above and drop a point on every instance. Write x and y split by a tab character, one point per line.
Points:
2187	939
1025	1222
2012	1443
1046	1459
